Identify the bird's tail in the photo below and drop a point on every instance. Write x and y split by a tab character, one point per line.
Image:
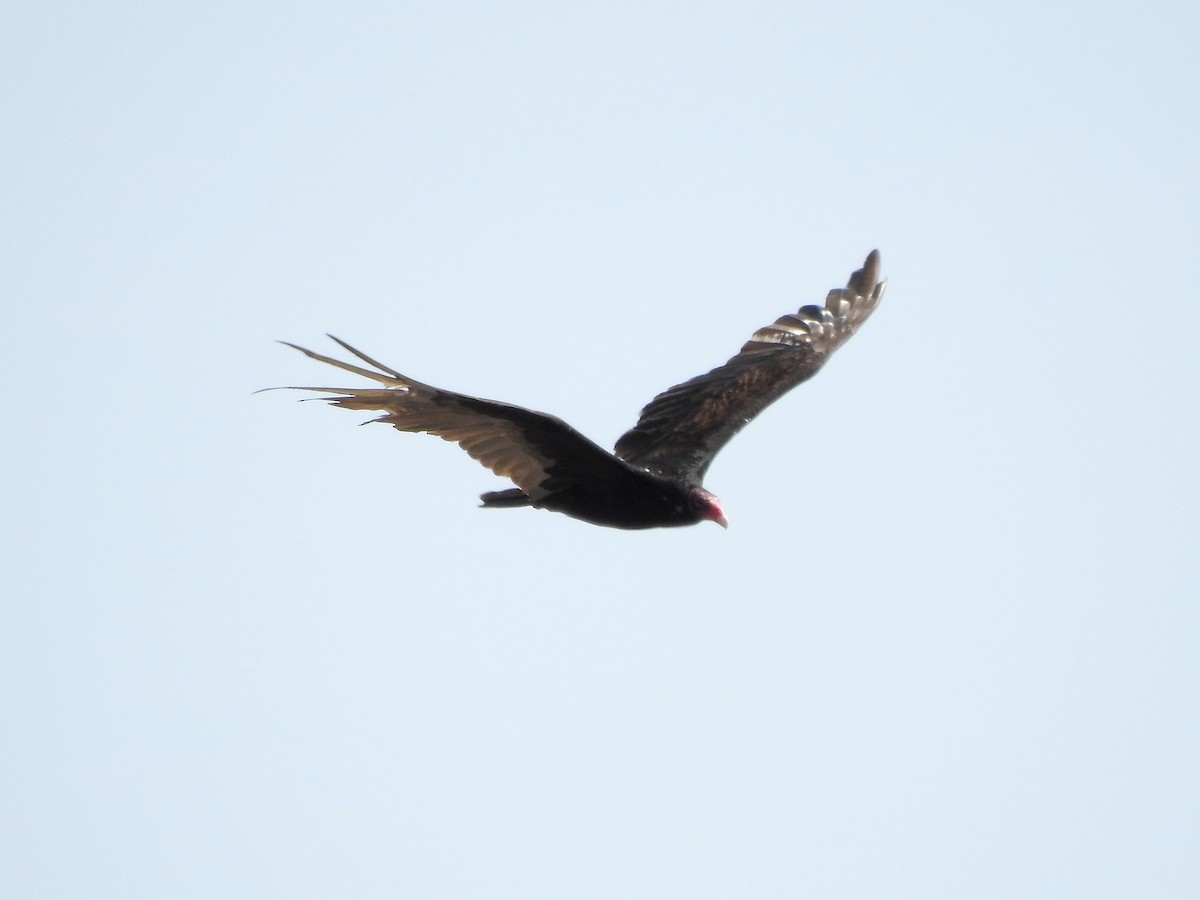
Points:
504	499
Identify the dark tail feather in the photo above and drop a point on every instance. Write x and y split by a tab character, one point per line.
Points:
504	499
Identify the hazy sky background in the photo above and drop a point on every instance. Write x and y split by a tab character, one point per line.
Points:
948	646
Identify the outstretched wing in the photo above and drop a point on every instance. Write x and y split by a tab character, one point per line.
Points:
680	431
541	454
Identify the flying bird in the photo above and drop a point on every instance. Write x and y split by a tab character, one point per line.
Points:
653	477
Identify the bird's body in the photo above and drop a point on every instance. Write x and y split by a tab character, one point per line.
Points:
653	478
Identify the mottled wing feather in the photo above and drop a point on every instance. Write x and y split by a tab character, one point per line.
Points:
680	431
537	452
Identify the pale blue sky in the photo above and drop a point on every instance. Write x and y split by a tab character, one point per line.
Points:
948	646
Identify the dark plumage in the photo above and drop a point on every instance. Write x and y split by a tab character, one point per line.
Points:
653	477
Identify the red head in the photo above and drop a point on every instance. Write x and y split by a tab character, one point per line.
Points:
705	505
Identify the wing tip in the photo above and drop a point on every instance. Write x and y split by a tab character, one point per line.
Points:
863	289
384	375
866	280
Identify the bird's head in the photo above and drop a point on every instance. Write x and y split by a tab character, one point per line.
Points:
705	505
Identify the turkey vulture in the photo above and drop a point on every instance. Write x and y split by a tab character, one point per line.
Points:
652	478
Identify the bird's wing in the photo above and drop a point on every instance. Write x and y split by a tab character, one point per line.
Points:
541	454
680	431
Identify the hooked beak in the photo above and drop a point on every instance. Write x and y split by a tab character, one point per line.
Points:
707	506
